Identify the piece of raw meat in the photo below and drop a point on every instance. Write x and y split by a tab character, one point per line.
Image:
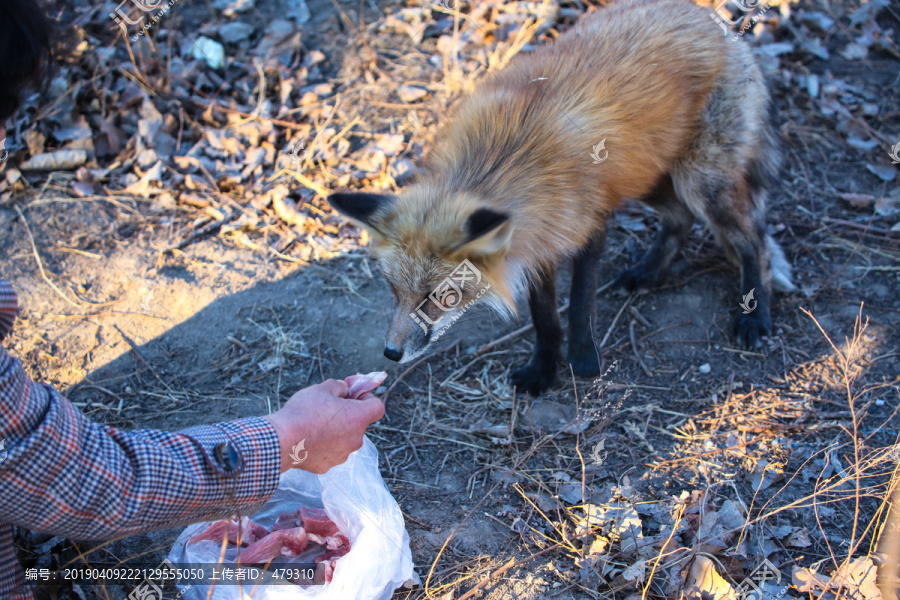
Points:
317	521
327	561
286	521
333	542
262	551
292	532
360	385
285	542
338	542
295	541
250	532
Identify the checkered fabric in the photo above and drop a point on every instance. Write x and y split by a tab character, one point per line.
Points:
9	308
62	474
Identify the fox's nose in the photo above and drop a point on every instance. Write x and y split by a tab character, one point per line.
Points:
393	354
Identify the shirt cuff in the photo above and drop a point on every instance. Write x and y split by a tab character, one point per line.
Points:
245	452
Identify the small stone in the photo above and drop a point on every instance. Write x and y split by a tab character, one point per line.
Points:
210	51
817	20
391	143
855	52
704	368
234	32
371	162
313	57
146	159
870	109
812	86
298	11
411	93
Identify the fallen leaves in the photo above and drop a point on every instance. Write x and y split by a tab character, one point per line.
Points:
765	475
854	580
704	582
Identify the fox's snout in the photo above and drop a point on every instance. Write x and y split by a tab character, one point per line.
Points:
392	353
407	337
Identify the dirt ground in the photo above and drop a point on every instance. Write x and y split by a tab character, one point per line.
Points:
798	437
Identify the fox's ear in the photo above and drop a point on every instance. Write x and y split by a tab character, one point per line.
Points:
360	207
487	232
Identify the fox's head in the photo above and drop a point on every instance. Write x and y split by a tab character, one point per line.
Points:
439	254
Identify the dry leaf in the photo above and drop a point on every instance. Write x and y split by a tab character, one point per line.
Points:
143	186
485	427
635	572
60	160
765	475
84	184
857	200
882	172
704	582
888	205
856	580
799	539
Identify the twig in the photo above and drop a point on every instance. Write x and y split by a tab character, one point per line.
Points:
662	550
302	179
428	435
321	333
308	160
861	226
224	109
637	315
140	356
509	336
635	350
387	392
613	324
509	565
210	228
37	257
650	335
107	313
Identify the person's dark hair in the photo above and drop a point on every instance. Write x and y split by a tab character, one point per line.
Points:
24	46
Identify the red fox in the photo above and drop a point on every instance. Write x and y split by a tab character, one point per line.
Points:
676	116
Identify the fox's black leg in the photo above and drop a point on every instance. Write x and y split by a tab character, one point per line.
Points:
674	231
583	308
755	318
741	229
540	373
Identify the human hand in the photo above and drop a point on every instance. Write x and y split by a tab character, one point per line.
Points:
319	427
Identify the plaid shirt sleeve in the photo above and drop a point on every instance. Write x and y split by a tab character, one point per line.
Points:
9	308
61	473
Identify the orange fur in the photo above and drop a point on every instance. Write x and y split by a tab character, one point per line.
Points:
521	142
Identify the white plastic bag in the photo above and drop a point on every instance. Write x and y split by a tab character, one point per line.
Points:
356	499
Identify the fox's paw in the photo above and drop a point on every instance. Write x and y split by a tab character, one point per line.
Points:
750	329
636	279
585	363
533	380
